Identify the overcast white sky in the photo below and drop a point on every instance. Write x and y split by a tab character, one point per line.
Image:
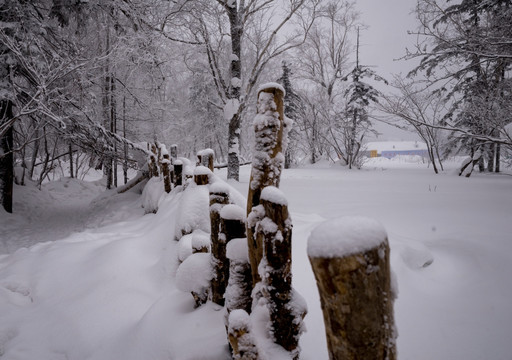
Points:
384	40
386	37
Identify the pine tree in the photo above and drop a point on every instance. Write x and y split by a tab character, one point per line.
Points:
359	96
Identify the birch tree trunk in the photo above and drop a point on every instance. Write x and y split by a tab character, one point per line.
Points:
233	107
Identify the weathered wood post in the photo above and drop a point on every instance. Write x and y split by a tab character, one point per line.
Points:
239	288
207	158
152	162
350	259
201	175
270	130
286	307
232	226
240	337
166	164
219	197
178	172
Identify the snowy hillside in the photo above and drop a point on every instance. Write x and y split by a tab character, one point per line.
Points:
106	288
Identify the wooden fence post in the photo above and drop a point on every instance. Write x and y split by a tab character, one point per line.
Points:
270	143
166	164
274	231
350	259
239	288
201	175
219	197
240	337
152	162
207	158
178	172
232	226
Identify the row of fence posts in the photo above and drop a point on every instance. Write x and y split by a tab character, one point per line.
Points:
357	303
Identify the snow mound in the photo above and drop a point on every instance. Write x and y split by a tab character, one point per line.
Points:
194	274
194	211
151	195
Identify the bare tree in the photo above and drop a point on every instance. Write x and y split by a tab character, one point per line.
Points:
465	49
323	62
255	27
421	110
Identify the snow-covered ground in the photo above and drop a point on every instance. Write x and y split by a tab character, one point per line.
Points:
86	275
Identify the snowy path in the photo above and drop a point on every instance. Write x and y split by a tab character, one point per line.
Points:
61	208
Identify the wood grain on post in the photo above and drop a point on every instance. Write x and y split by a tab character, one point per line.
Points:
350	259
219	197
268	158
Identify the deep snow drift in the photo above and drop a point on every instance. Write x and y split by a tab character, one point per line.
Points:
106	289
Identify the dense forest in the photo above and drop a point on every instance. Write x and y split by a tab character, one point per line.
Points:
93	81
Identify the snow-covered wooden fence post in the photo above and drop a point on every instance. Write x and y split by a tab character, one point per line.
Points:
201	175
166	164
152	162
206	157
286	307
232	226
239	289
350	259
270	130
240	337
178	172
219	197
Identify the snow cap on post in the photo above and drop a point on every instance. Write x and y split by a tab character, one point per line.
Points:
345	236
271	85
274	195
350	260
237	249
232	212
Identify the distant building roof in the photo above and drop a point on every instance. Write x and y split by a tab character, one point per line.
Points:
394	146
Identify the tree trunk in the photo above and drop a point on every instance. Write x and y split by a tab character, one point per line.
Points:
71	160
236	28
498	156
35	151
6	158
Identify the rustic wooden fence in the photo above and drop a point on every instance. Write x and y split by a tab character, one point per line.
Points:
246	257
